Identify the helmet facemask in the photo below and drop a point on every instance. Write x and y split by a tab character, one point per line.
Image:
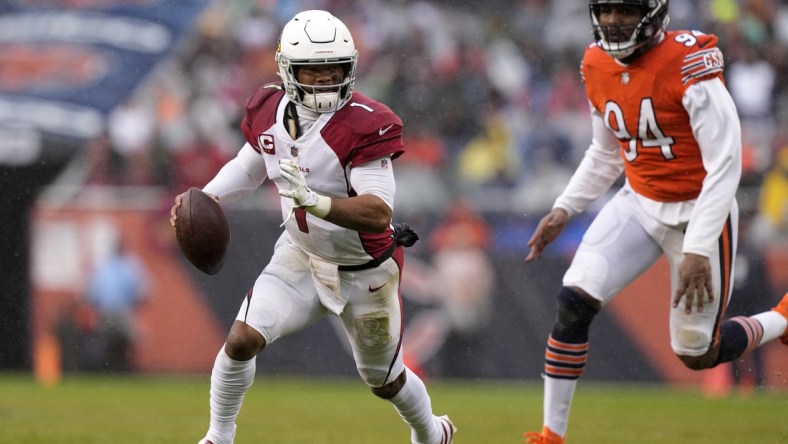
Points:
316	38
621	42
318	98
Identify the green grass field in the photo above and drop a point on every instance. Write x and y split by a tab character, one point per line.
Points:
161	410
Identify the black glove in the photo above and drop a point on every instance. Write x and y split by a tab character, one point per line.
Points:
404	235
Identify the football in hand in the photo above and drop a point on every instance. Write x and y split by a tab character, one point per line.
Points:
202	231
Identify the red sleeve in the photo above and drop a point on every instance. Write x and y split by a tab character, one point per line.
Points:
260	113
369	131
377	148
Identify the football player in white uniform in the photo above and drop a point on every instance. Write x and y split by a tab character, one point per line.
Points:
329	150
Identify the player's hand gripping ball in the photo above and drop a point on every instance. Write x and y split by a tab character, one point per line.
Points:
201	230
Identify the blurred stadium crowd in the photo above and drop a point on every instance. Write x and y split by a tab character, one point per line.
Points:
489	92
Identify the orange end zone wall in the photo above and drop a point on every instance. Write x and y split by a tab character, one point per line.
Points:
178	331
181	334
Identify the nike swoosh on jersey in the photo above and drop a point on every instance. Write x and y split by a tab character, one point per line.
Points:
383	131
372	290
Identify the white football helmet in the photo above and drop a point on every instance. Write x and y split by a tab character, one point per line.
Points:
654	21
316	38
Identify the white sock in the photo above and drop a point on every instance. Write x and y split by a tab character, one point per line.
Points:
414	406
774	325
230	379
558	394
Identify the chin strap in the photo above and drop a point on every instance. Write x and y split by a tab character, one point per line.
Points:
291	121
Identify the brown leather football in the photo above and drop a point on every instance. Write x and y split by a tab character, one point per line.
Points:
202	231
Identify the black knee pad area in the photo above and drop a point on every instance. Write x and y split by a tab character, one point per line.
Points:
574	317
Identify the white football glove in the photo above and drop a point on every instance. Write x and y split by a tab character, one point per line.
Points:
302	195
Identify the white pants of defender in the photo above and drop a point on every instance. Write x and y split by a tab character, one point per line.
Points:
622	242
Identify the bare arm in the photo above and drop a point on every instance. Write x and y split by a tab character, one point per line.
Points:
365	213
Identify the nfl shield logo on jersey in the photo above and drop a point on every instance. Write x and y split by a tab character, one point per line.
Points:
625	78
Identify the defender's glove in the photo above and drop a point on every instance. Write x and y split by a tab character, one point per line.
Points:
302	195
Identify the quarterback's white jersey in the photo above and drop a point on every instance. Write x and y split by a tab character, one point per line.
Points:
360	132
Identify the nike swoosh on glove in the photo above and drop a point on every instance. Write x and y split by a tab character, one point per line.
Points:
301	194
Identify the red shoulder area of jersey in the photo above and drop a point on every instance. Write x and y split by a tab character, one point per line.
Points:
261	105
368	116
261	96
365	129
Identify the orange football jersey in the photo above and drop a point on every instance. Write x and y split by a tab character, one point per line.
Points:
642	106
